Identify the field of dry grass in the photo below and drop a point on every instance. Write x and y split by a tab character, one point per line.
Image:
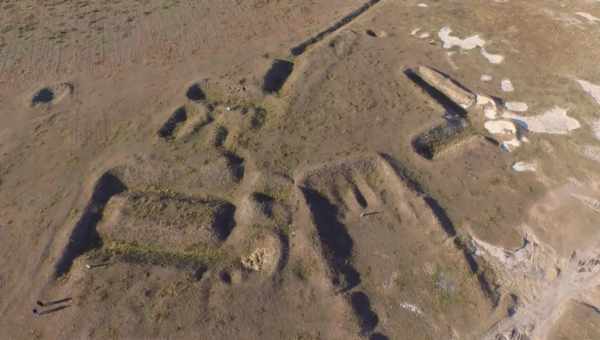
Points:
275	169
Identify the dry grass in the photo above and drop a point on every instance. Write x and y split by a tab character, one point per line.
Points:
199	255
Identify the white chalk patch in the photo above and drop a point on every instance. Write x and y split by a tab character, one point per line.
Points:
501	127
591	89
596	128
484	100
506	85
490	109
424	35
589	202
468	43
492	58
590	152
525	167
588	17
565	18
422	5
486	77
510	145
554	121
415	31
490	112
517	106
452	41
411	308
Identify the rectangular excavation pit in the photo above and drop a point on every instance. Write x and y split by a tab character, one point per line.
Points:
184	121
382	240
436	93
177	117
166	223
336	26
441	138
277	75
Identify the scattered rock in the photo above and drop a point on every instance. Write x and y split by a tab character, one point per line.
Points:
591	89
517	106
525	167
257	259
501	127
506	85
486	77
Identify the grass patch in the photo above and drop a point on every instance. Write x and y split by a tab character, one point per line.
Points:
283	230
198	255
259	117
220	136
279	193
442	137
303	270
446	289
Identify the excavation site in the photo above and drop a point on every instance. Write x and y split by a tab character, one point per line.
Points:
300	170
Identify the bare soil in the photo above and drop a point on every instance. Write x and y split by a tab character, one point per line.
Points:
299	170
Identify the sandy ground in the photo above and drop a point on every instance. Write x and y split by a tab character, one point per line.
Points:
274	169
